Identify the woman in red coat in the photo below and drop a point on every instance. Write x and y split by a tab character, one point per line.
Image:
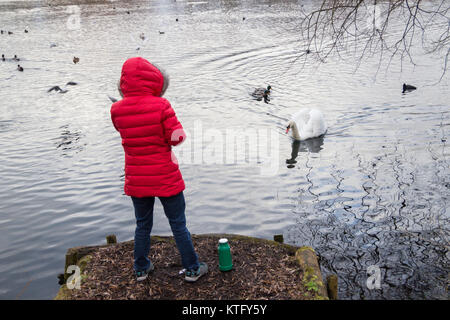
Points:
149	128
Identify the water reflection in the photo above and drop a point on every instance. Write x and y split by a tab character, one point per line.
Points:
313	145
6	125
69	141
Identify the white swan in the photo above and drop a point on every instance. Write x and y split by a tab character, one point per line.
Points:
306	124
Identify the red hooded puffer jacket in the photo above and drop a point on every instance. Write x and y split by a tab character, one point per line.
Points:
148	127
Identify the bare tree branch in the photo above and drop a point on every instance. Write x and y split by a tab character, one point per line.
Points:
332	26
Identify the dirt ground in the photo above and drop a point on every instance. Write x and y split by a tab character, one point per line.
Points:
261	270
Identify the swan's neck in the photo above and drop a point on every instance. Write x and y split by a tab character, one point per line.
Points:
295	131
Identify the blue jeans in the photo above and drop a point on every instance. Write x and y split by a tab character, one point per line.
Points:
174	209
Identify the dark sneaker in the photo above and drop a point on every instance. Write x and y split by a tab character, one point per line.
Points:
142	275
194	275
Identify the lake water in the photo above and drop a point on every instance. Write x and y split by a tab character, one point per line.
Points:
373	193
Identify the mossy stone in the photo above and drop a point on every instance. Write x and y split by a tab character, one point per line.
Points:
312	277
332	286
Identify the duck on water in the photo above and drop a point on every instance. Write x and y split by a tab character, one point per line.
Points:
262	93
408	88
11	59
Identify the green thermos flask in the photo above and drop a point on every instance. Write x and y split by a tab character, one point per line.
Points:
225	263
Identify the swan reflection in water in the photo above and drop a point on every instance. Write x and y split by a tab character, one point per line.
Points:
313	145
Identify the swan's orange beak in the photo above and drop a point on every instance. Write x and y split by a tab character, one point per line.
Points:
287	129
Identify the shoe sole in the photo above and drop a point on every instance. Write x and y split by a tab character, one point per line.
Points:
191	279
142	278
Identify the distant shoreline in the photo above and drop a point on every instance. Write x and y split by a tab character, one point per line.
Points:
30	4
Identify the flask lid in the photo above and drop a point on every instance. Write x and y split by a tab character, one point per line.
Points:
223	240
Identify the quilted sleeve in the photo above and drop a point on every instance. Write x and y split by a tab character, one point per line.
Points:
112	119
173	130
